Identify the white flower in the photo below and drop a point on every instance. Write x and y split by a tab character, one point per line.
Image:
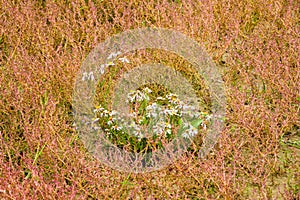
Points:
102	69
84	76
208	117
91	76
172	97
137	96
179	106
172	112
113	112
168	125
113	55
160	98
160	127
151	114
132	115
190	132
109	64
95	120
153	106
124	60
88	76
153	110
147	90
111	119
103	66
137	133
105	113
75	126
168	132
116	127
98	109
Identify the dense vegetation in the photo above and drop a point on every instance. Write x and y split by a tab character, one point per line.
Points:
254	42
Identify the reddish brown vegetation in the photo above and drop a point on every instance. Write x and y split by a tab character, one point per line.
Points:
43	44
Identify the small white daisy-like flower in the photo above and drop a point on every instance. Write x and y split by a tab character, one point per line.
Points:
147	90
109	122
154	106
160	98
116	127
111	119
110	64
88	76
132	115
113	113
75	126
160	127
102	69
153	110
95	120
190	132
113	55
137	96
168	131
103	66
139	135
151	114
105	113
91	76
172	96
171	112
168	125
84	76
98	109
208	117
124	60
130	96
179	106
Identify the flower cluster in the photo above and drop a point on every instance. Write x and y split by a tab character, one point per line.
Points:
190	131
138	95
160	117
108	118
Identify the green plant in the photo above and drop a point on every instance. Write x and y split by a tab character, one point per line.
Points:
154	121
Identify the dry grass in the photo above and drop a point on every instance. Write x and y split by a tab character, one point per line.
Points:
255	42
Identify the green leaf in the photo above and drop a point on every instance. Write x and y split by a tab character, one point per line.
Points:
197	122
180	121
